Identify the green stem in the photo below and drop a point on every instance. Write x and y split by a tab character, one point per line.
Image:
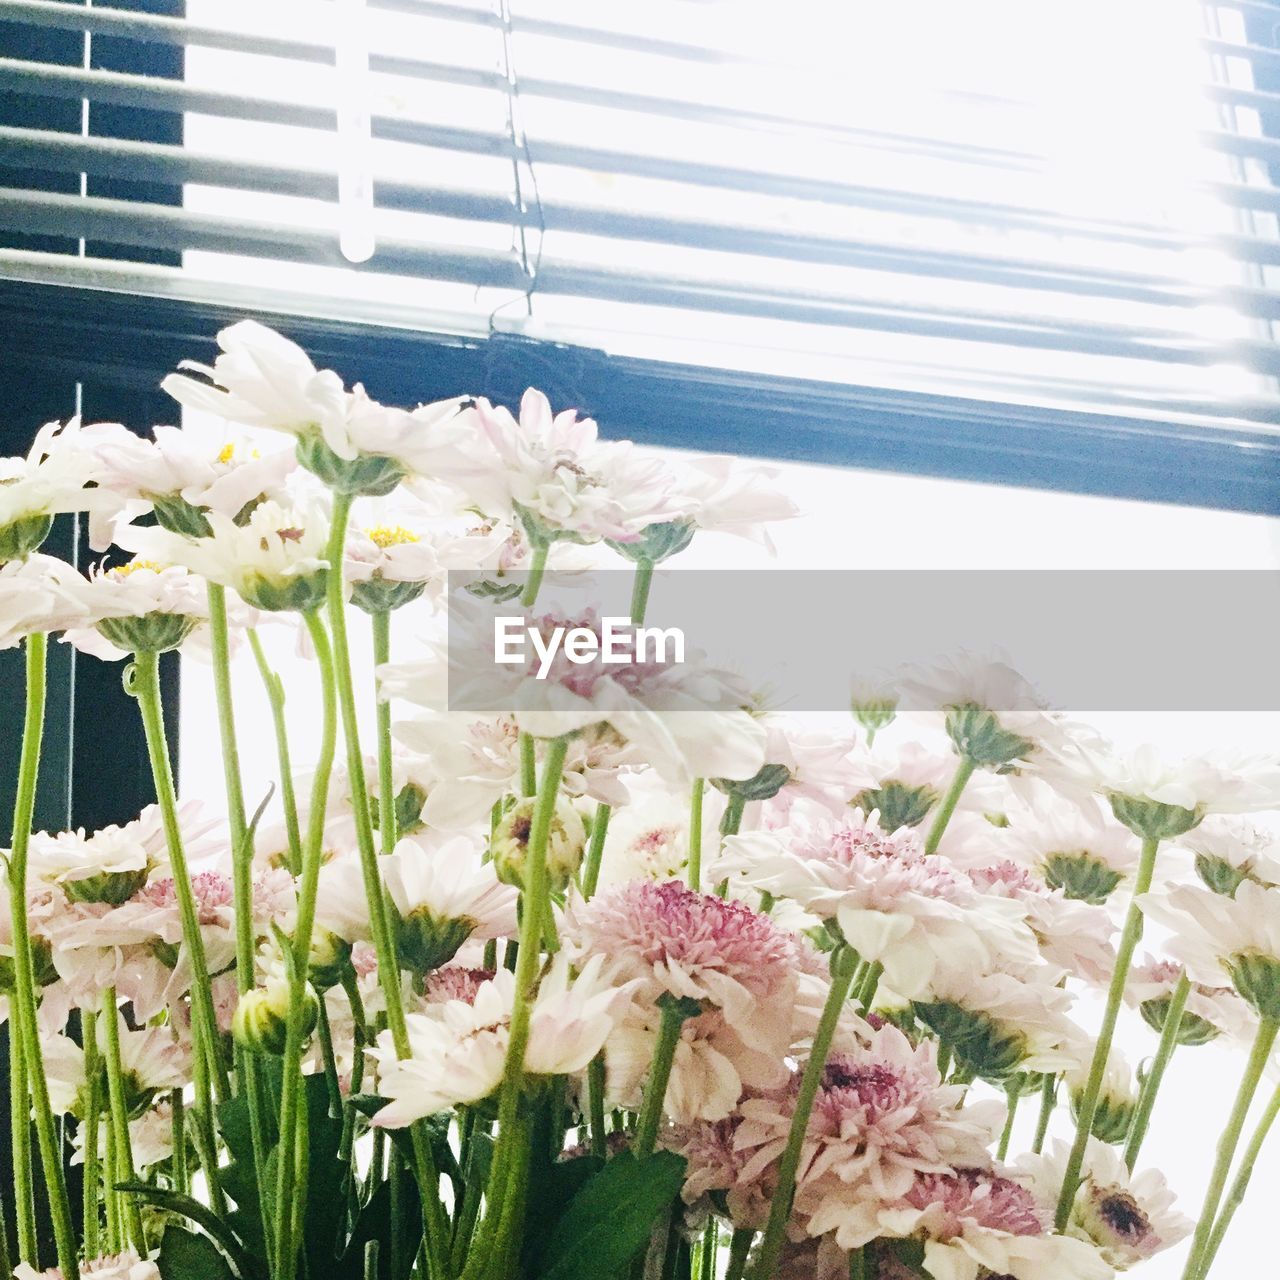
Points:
673	1014
179	1178
1012	1097
20	1127
93	1105
695	834
120	1116
1087	1107
640	585
288	797
595	1104
739	1250
843	963
325	1035
869	985
23	1013
595	850
1151	1085
964	771
292	1117
537	567
1197	1259
1235	1197
528	765
707	1258
146	688
434	1235
493	1244
1048	1101
386	786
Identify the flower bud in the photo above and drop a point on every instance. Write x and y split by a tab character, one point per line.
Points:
330	959
567	839
1081	876
261	1020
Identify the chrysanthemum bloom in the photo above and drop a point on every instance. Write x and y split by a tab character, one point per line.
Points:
1117	1098
1073	936
442	897
900	783
998	1024
152	1060
880	1118
457	1054
38	594
816	771
454	982
1128	1217
992	715
150	1137
1160	798
477	763
648	838
566	840
552	474
274	561
1230	849
120	1266
1221	939
977	1223
139	607
1210	1011
181	474
261	379
1072	846
893	904
716	1171
54	477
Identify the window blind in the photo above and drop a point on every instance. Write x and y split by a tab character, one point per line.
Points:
1058	204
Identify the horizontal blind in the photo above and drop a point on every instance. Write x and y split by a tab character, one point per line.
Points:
1051	204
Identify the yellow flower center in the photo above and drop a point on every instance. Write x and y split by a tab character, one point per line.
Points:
384	536
227	452
124	570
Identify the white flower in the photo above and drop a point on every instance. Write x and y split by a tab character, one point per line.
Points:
1210	1010
458	1051
551	473
181	473
54	477
1227	782
122	1266
1228	849
1128	1217
139	605
275	560
38	594
723	495
151	1060
911	912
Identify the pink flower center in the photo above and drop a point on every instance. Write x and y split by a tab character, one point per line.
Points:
972	1196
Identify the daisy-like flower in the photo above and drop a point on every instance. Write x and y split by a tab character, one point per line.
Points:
1117	1098
443	897
275	560
1210	1011
454	982
458	1051
1160	798
152	1060
901	783
139	607
975	1222
38	594
55	476
261	379
993	716
552	474
998	1024
686	719
881	1117
816	773
1073	936
648	839
895	905
180	474
1226	940
118	1266
1128	1217
1229	850
477	764
150	1138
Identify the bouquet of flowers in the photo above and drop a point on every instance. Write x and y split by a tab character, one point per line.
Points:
629	978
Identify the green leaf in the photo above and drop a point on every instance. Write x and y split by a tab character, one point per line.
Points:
549	1196
184	1255
609	1221
201	1215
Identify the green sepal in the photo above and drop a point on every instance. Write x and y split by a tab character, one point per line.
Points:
19	538
1081	876
657	542
1152	820
370	475
762	785
898	804
381	595
301	593
175	513
1192	1030
977	735
151	633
